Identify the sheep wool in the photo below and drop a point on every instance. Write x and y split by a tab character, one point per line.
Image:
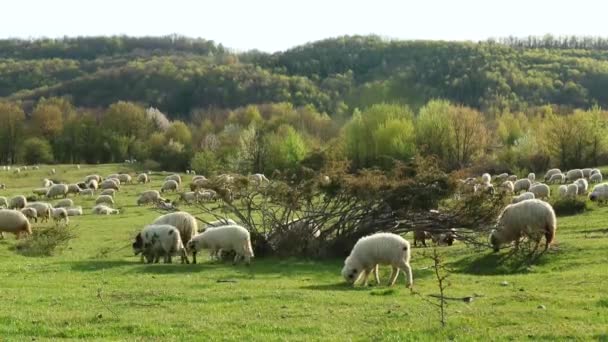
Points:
552	172
225	238
378	249
17	202
599	193
158	240
57	190
541	191
523	197
521	185
583	186
149	196
170	185
12	221
104	199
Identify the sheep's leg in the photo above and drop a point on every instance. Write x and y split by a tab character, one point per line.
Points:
394	275
376	274
407	269
366	273
247	260
194	257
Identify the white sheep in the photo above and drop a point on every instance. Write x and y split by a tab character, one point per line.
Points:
594	171
108	192
562	190
574	174
96	178
74	211
599	193
541	191
532	218
60	214
486	178
149	196
158	240
225	238
378	249
92	184
552	172
583	186
558	178
87	192
512	178
110	184
507	187
12	221
17	202
521	184
195	178
207	195
125	178
532	177
170	185
487	188
572	190
112	176
587	172
102	209
595	178
64	203
47	183
30	213
43	210
183	221
500	178
189	197
40	191
523	197
3	202
219	223
57	190
174	177
143	178
104	199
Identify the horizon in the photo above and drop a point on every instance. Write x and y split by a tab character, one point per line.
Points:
269	26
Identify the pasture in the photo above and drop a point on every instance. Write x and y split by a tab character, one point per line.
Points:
97	289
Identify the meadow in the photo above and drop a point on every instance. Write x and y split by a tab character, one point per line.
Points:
96	289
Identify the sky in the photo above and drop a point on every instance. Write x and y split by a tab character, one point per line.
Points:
274	25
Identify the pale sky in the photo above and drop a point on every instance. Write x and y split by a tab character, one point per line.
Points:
271	25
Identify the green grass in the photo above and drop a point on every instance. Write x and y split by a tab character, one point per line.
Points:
96	289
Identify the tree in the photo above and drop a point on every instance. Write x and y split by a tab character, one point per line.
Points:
11	130
179	131
47	120
286	148
205	162
36	151
126	119
433	129
469	135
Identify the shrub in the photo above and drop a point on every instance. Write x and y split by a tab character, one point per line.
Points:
205	162
45	241
569	206
150	164
37	150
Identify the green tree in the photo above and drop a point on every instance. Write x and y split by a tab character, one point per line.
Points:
12	119
286	148
179	131
205	162
36	151
433	129
47	120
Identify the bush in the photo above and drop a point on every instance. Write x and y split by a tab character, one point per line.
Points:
569	206
205	162
37	151
150	164
45	241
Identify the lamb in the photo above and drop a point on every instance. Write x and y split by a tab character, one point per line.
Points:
562	190
521	184
109	184
102	209
12	221
87	192
184	222
92	184
17	202
64	203
104	199
57	190
225	238
156	240
143	178
47	183
523	197
3	202
43	210
531	176
595	178
73	189
379	248
75	211
574	174
583	186
532	218
174	177
30	213
485	178
150	196
60	214
108	192
541	191
552	172
506	187
587	172
170	185
572	190
40	191
557	178
599	193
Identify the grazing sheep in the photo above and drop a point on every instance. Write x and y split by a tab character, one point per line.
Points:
115	180
195	178
583	186
572	190
552	172
87	192
523	197
218	223
104	199
149	196
599	193
109	184
30	213
125	178
487	188
75	211
380	248
156	240
595	178
108	192
102	209
184	222
60	214
73	189
189	197
170	185
506	187
57	190
573	175
12	221
174	177
3	202
43	210
531	176
500	178
112	176
40	191
521	184
143	178
541	191
485	178
64	203
17	202
587	172
198	183
421	235
89	178
512	178
207	195
47	183
93	184
558	178
225	238
532	218
562	190
594	171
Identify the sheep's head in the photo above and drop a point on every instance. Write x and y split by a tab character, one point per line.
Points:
593	197
350	272
191	246
138	245
494	240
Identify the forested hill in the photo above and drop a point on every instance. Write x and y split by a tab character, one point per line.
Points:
178	75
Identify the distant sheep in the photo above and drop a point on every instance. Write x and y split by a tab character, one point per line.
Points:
512	178
594	171
532	177
47	183
57	190
149	196
573	175
421	236
60	214
587	172
12	221
595	178
507	187
64	203
557	178
189	197
523	197
108	192
93	184
102	209
501	177
532	218
155	241
74	211
170	185
562	190
485	178
87	192
105	199
43	210
572	190
599	193
3	202
207	195
541	191
30	213
143	178
174	177
583	186
17	202
552	172
521	185
96	178
73	189
125	178
378	249
109	184
225	238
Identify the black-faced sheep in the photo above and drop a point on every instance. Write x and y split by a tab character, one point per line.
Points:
599	193
159	240
184	222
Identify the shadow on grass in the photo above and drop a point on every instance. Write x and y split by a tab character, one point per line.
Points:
98	265
498	263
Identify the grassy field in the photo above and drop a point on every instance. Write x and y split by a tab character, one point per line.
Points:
96	289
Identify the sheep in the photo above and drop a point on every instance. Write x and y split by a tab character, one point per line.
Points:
40	191
421	235
574	174
53	171
552	172
114	180
3	202
500	178
174	177
195	178
125	178
521	184
572	190
532	218
102	209
599	193
89	178
43	210
595	178
108	192
170	185
225	238
583	186
587	172
143	178
74	211
487	188
156	240
17	170
557	178
47	183
184	222
73	189
207	195
225	178
60	214
379	248
594	171
87	192
485	178
149	196
57	190
444	238
523	197
64	203
92	184
531	176
12	221
198	183
104	199
30	213
507	187
218	223
189	197
17	202
512	178
562	190
541	191
109	184
112	176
